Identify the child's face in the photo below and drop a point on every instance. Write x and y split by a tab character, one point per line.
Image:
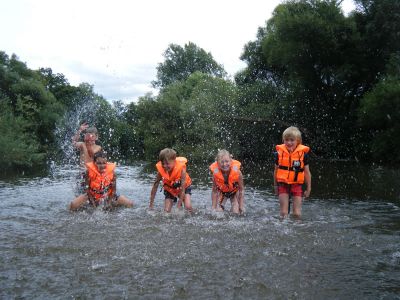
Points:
90	137
290	143
168	165
101	164
225	163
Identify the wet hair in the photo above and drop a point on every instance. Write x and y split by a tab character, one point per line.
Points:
98	154
167	154
91	130
221	153
292	132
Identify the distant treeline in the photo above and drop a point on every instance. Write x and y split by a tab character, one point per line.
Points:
336	77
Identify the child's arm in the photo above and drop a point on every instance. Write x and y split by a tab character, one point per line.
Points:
182	192
276	163
275	182
110	198
214	196
241	194
90	198
307	180
75	138
154	190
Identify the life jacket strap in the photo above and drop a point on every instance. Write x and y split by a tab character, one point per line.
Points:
101	192
291	168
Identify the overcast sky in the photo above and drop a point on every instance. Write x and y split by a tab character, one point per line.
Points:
116	45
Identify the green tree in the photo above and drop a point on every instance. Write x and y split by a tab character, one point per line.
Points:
58	85
379	27
208	117
19	149
180	62
159	122
380	114
35	109
309	53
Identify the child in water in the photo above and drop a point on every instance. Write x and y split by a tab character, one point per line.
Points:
87	149
227	183
291	171
176	181
101	185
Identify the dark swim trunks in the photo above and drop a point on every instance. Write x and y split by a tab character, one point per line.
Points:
188	191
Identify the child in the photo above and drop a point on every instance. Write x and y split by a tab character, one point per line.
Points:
291	171
87	149
176	182
227	183
100	185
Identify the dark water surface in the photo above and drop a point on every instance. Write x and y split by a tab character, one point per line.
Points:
345	247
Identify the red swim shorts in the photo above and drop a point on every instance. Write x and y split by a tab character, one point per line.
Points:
295	190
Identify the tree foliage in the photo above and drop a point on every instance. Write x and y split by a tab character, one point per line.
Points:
380	114
180	62
318	60
336	77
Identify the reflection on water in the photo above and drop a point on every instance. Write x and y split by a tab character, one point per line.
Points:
345	247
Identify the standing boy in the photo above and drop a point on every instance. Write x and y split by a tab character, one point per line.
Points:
291	171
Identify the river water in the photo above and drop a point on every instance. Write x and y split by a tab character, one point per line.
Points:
346	246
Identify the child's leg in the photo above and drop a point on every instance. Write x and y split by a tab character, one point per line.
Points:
284	204
78	202
179	203
297	200
188	202
124	201
241	205
168	204
235	203
221	201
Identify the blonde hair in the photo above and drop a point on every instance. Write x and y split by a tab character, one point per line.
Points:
221	153
292	132
167	154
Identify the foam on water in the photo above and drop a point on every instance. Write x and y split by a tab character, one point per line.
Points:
341	248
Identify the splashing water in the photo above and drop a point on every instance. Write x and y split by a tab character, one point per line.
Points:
345	247
67	127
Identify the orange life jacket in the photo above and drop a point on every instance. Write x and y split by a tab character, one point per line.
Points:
172	181
233	180
100	184
291	165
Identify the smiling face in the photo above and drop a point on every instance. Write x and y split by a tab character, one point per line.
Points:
290	143
224	163
90	137
101	164
168	164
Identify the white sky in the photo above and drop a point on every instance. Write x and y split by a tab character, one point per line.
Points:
116	45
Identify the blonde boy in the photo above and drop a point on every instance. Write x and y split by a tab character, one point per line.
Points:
291	171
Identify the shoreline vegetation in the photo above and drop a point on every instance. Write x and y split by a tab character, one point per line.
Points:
336	77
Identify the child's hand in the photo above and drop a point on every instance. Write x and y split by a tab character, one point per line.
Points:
307	193
276	189
83	126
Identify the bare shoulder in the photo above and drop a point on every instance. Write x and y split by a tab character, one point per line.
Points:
97	148
79	145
